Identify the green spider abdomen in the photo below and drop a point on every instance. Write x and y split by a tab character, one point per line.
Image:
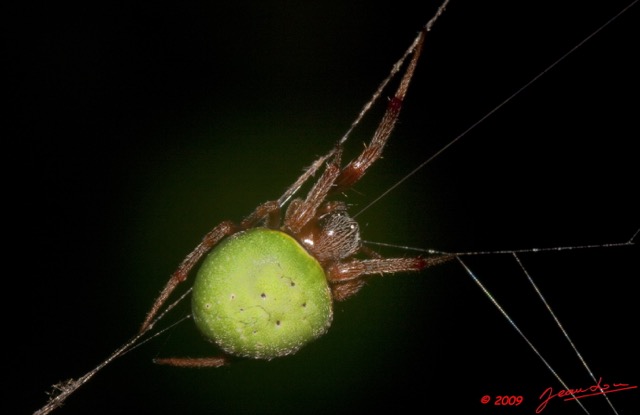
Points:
260	294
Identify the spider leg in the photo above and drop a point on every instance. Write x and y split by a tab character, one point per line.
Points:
268	210
343	290
354	171
346	278
311	171
210	239
189	362
301	212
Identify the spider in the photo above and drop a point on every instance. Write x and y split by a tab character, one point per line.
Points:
268	284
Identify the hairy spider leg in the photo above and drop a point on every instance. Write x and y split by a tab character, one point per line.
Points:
345	278
266	210
354	171
299	213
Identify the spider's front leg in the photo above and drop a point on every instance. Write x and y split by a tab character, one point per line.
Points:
354	171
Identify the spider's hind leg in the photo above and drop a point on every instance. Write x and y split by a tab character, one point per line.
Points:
189	362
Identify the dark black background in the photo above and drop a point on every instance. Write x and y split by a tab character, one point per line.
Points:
136	127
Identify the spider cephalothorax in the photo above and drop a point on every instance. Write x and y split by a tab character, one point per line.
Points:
331	236
268	284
